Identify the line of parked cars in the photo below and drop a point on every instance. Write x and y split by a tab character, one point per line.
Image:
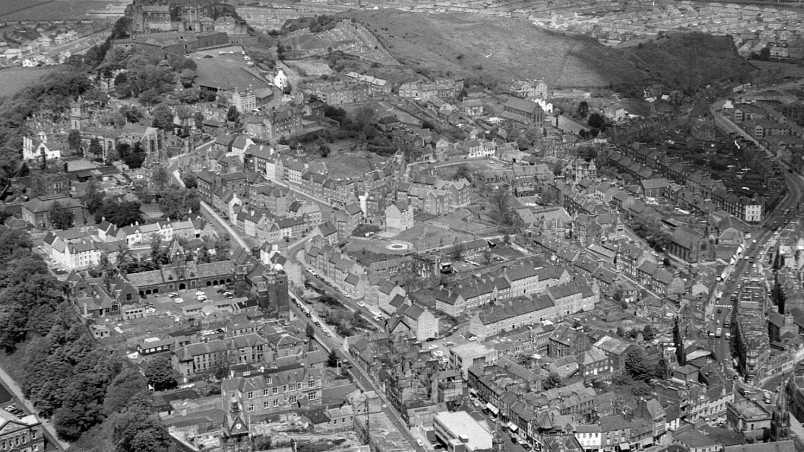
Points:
14	409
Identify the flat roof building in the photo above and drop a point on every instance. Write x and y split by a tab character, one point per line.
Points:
459	431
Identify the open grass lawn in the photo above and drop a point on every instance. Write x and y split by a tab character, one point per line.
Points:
342	163
424	236
13	80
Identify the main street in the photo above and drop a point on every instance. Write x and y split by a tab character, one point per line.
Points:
752	258
332	341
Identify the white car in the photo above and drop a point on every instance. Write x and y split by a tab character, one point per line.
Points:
178	300
432	347
361	304
150	311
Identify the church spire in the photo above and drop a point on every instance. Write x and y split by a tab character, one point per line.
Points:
780	420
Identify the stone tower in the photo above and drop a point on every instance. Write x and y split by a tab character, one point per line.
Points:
79	116
780	419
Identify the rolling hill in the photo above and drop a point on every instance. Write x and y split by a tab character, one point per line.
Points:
505	49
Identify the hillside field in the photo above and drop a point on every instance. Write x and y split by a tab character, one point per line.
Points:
12	10
505	49
13	80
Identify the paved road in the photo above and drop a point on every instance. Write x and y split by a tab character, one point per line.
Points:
335	342
743	267
50	432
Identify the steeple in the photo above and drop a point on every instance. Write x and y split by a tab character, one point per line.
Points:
780	420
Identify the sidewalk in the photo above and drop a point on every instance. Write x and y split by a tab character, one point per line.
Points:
325	278
16	391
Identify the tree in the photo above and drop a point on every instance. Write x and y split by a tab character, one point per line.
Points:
309	331
597	121
324	151
134	429
332	359
457	250
222	250
163	118
61	217
159	255
159	177
765	53
74	140
502	209
232	115
160	374
583	109
636	365
552	381
186	77
198	117
131	113
189	180
95	148
120	214
648	334
463	172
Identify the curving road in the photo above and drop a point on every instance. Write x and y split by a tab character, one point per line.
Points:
756	246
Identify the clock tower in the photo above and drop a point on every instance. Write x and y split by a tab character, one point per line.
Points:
236	434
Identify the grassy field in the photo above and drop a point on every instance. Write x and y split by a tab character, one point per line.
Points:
503	49
351	164
682	59
11	6
12	80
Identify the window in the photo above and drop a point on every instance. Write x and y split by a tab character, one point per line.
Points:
250	395
292	399
311	396
298	386
285	388
266	404
275	390
250	407
265	392
276	403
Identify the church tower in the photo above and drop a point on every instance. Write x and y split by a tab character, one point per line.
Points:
780	419
79	116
